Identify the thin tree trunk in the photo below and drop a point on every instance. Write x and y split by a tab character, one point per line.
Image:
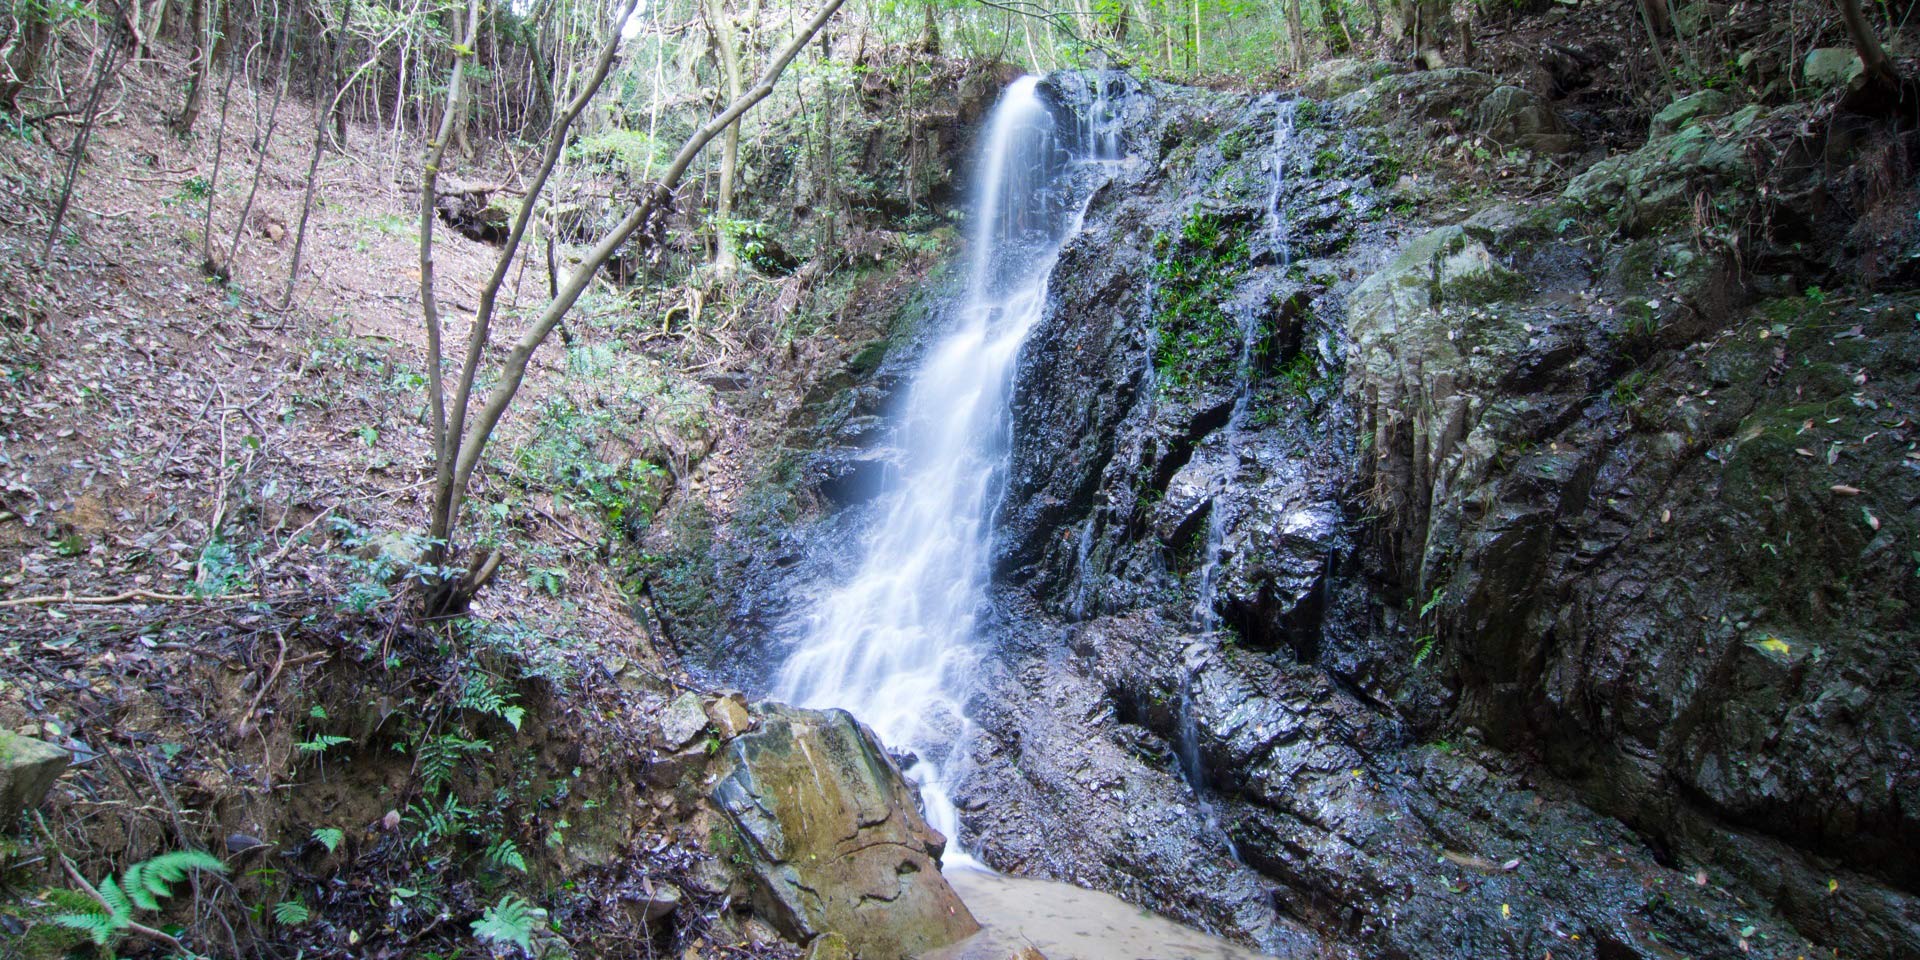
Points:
1659	53
1879	67
266	150
473	441
197	67
313	161
727	48
207	263
102	74
23	59
429	178
1296	34
447	447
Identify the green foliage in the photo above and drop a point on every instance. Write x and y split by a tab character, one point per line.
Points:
140	889
1422	648
509	923
504	854
192	190
574	454
291	913
329	837
1194	276
482	695
439	758
321	743
432	824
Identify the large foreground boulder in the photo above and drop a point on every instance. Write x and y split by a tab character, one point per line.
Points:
28	768
832	836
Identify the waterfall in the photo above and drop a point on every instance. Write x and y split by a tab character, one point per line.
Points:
1207	590
895	645
1206	616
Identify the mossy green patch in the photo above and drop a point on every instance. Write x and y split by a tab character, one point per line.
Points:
1195	274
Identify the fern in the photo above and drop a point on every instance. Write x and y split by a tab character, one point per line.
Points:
97	926
291	913
321	743
509	921
329	837
481	696
141	887
440	756
504	854
434	824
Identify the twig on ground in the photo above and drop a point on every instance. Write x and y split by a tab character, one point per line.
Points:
130	595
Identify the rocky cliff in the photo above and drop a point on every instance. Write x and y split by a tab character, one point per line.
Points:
1426	559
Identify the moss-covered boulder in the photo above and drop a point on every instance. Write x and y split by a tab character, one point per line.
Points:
1431	103
1657	187
832	836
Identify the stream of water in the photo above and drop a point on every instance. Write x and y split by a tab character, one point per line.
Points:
895	644
1206	615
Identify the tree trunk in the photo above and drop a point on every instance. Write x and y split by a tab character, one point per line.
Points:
1658	16
1879	67
726	46
452	480
23	60
197	67
1296	35
319	146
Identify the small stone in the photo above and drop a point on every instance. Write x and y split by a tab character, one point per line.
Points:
730	716
1029	953
829	946
28	768
683	722
652	907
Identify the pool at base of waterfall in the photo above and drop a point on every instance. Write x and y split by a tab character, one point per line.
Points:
1065	922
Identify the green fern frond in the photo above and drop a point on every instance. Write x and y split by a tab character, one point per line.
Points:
509	921
291	913
118	906
329	837
504	854
97	926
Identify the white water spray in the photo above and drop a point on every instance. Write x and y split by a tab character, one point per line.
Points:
895	645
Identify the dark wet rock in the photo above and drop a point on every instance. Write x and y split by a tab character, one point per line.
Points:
850	476
833	837
1656	186
1562	594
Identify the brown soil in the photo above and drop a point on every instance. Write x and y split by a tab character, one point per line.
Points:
162	434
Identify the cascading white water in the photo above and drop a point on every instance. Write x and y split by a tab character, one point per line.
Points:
895	644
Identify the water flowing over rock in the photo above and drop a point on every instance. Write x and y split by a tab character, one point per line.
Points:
1355	588
833	837
896	640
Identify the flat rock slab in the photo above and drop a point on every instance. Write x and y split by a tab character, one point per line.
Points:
1059	921
833	836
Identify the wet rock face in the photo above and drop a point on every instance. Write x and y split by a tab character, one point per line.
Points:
833	836
1589	487
1540	540
1545	593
